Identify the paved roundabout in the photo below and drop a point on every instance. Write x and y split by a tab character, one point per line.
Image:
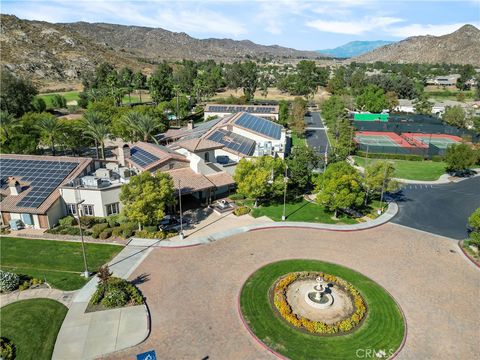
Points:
193	293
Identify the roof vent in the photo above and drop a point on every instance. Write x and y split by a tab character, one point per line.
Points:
14	186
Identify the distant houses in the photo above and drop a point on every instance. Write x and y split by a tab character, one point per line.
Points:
269	112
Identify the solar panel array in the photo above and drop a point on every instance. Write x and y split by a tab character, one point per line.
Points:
232	141
259	125
239	108
142	157
201	129
43	177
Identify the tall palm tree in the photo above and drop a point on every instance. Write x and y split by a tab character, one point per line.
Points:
146	127
129	122
51	129
90	118
8	122
99	132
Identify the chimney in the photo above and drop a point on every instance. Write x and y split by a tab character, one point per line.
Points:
123	154
190	125
14	186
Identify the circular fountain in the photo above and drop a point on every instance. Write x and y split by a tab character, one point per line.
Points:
321	297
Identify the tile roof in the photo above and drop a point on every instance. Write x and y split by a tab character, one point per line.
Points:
191	182
161	153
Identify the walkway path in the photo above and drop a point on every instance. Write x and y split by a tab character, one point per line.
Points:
234	229
64	297
90	335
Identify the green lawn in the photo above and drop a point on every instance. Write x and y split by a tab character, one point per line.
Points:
412	170
298	141
33	326
383	327
60	262
69	95
301	210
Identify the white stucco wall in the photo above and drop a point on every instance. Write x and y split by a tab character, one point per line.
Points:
99	198
56	211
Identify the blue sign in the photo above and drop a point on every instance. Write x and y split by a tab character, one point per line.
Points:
149	355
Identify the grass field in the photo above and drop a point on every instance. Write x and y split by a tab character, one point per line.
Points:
69	96
60	262
383	327
300	211
412	170
298	141
33	326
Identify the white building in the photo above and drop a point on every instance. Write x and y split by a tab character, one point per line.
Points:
269	112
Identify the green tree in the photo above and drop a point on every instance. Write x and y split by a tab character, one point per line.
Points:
185	76
139	127
474	220
340	187
459	157
260	178
379	175
125	77
146	197
249	79
9	124
423	105
161	83
59	101
300	165
91	119
38	104
283	112
337	84
372	99
297	120
51	130
139	83
97	131
16	94
466	73
23	136
392	100
455	116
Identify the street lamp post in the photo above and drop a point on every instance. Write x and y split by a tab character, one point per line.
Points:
285	179
180	208
85	273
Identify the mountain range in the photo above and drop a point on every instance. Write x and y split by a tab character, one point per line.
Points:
460	47
354	48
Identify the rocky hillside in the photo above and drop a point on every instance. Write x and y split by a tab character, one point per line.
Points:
62	52
156	43
459	47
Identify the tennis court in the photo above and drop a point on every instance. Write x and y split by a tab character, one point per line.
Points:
441	141
380	139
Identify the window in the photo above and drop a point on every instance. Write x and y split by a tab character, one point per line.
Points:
88	210
113	209
207	157
71	209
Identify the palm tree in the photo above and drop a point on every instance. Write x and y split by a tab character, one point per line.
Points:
96	129
9	122
51	129
140	126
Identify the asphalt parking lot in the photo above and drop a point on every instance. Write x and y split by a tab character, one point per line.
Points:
439	209
315	132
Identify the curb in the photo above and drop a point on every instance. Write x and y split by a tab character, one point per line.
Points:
467	255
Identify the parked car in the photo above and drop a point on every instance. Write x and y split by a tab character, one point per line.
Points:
352	212
168	223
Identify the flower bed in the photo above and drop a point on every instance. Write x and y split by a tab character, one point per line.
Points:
344	326
114	292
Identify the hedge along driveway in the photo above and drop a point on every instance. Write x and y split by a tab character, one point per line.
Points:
383	328
60	262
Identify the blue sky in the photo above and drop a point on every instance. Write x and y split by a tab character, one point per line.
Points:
299	24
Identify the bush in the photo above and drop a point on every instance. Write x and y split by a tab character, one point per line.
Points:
236	197
127	230
67	230
390	156
115	292
97	229
114	298
150	235
150	229
241	210
7	349
89	221
67	221
8	281
105	234
113	220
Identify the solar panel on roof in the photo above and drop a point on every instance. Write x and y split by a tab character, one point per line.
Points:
260	125
43	177
142	157
232	141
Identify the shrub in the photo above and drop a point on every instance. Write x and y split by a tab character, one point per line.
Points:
390	156
241	210
150	235
7	349
8	281
105	234
114	298
127	230
113	220
150	229
97	229
67	221
236	197
89	221
104	274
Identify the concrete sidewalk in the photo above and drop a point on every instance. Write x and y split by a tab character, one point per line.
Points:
233	230
91	335
64	297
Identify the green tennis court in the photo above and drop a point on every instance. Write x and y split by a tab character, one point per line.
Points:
377	140
441	143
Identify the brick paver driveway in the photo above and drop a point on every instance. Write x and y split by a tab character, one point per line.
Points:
192	292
